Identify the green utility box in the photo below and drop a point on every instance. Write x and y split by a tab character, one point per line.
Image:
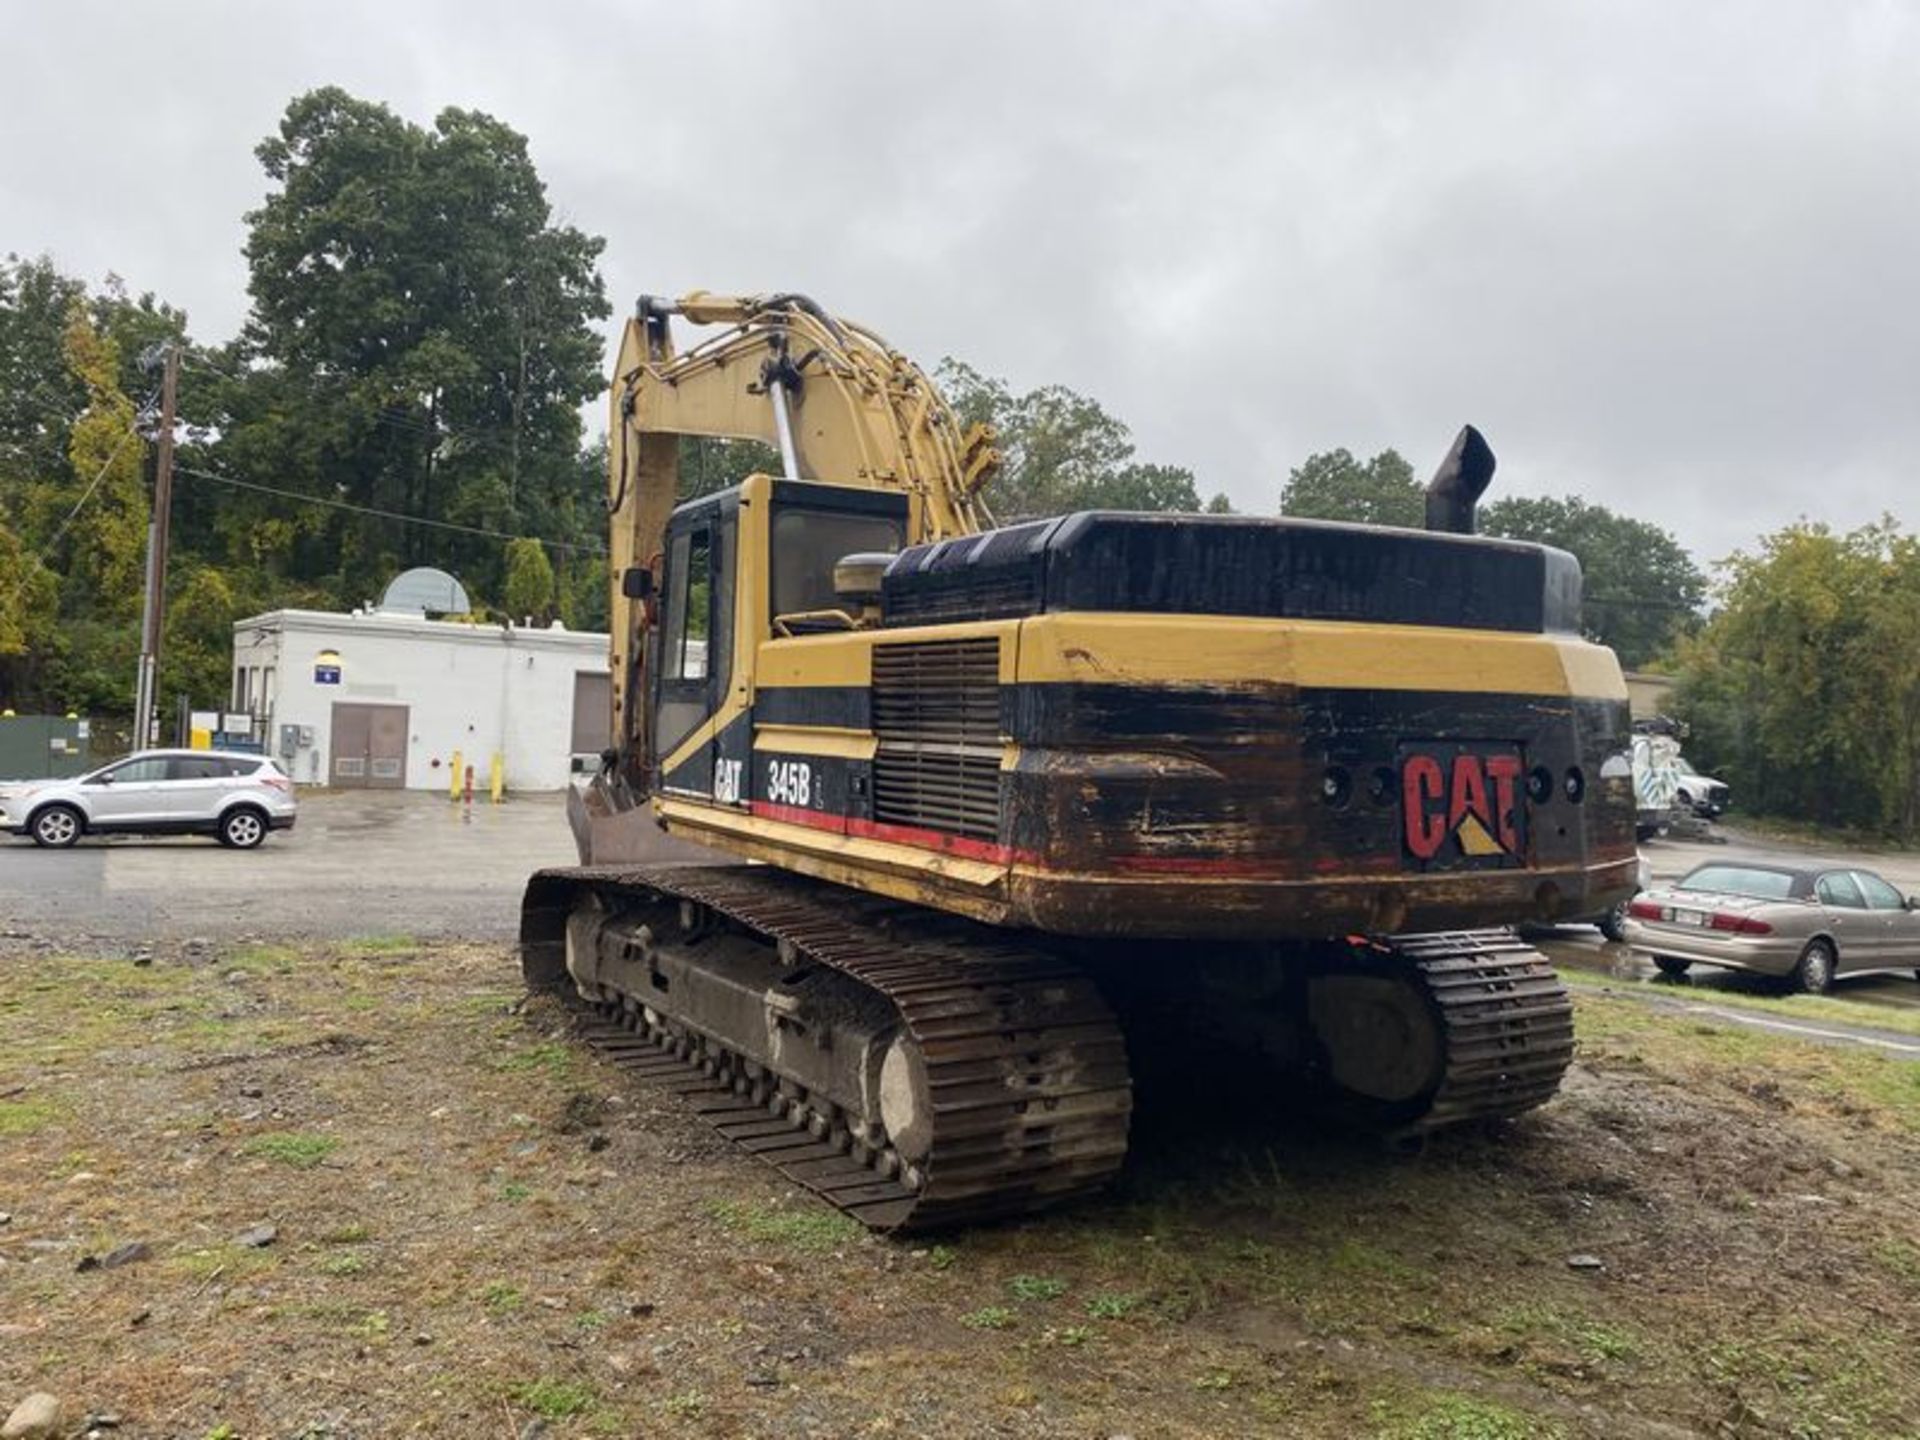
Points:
44	747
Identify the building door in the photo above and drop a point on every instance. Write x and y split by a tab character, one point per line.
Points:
369	746
592	711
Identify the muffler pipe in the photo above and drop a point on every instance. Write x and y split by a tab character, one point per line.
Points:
1455	490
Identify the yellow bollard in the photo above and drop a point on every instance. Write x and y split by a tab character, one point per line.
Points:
497	776
453	778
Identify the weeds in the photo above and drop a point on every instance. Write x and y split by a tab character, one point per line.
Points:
1113	1305
1036	1287
813	1230
25	1117
1461	1417
500	1298
991	1317
553	1399
288	1148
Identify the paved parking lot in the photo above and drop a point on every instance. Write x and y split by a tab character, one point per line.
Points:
360	863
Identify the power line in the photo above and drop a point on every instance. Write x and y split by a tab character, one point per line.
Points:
395	515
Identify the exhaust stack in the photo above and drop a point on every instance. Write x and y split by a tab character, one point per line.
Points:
1455	490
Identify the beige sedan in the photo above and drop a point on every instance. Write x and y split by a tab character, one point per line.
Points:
1806	925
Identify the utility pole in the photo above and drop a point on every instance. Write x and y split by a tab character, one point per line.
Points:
153	617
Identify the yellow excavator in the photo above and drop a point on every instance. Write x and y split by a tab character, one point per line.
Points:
898	798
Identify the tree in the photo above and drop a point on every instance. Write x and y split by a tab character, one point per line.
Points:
1332	485
106	548
1642	589
411	288
1804	686
530	585
1060	450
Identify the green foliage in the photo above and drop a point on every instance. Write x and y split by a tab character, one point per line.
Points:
990	1317
709	465
1803	689
1060	450
1036	1287
812	1229
554	1399
29	598
530	584
1642	590
412	282
1333	485
301	1151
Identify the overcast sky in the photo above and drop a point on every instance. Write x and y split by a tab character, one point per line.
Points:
1664	254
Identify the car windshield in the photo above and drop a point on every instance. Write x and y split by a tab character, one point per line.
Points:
1747	880
1684	766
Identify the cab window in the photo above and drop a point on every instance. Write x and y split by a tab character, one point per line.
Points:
807	544
197	767
689	605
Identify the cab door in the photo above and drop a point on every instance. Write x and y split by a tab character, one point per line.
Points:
692	656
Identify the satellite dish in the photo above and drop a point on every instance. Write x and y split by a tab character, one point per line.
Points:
425	589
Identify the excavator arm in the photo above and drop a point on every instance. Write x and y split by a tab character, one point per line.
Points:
838	403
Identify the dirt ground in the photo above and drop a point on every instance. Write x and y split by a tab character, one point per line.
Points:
481	1229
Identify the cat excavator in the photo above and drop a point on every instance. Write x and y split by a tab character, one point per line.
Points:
898	799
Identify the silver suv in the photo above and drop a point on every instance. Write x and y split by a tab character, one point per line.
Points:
235	798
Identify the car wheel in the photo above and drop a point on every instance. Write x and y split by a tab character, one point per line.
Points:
1613	924
1671	966
1814	973
242	828
58	826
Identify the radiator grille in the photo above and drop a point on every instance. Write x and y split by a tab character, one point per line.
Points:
936	712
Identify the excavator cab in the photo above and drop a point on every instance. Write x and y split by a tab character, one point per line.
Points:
745	567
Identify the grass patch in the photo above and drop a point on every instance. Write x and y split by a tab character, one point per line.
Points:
303	1152
1113	1305
344	1264
262	960
553	1399
500	1298
1812	1009
26	1117
1036	1287
990	1317
1462	1417
1595	1341
813	1229
553	1059
371	945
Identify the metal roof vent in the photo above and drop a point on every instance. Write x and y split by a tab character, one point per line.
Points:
425	590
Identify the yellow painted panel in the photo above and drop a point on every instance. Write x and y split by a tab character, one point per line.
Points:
1117	649
828	740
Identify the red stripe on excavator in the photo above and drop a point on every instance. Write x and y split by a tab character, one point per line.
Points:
964	846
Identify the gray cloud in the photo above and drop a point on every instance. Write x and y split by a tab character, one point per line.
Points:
1664	255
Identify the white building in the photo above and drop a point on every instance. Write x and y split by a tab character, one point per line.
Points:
386	700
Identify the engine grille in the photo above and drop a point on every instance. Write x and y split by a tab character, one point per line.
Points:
936	712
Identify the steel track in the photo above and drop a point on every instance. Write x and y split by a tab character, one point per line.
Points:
1026	1069
1026	1065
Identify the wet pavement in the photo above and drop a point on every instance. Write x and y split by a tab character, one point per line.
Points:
358	864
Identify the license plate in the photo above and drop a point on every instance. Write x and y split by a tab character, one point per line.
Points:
1463	805
1695	918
